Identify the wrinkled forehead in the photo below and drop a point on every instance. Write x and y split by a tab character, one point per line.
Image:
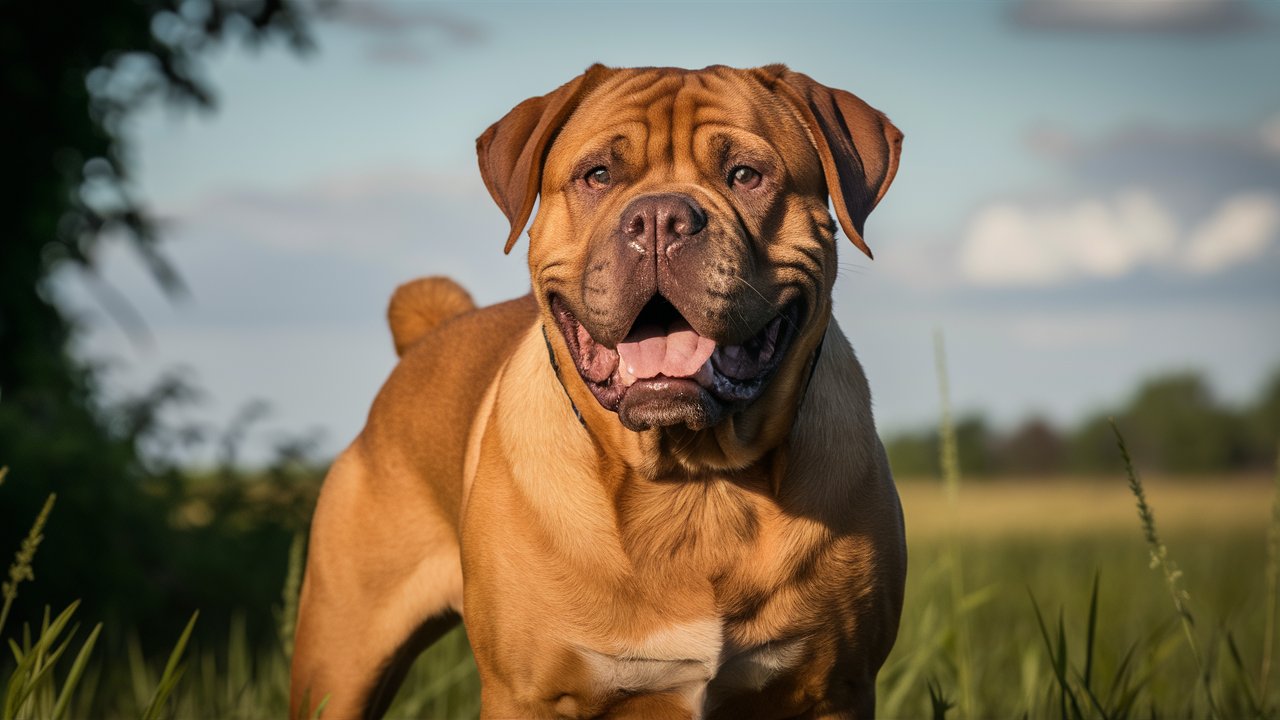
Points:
661	111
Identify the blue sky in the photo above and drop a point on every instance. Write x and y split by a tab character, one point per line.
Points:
1089	193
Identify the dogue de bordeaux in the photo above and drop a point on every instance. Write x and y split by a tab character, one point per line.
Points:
652	487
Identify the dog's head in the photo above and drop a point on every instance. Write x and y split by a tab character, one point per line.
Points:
683	252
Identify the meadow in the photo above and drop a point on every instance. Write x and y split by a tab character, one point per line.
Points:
1001	619
986	565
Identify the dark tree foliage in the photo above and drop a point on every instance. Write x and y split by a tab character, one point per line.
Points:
1264	422
1173	425
913	454
71	74
1093	447
1032	448
1176	424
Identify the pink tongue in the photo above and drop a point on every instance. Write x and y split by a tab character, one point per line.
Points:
675	351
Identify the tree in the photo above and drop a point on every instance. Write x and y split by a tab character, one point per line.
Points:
913	455
70	79
1175	423
1264	423
974	444
1032	448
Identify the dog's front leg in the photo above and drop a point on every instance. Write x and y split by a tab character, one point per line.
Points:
382	580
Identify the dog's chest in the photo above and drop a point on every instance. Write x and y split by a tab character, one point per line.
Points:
695	533
693	660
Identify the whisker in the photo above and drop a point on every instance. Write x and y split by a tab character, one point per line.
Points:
846	268
741	318
788	320
753	289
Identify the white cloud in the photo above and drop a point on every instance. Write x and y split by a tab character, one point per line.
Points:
1240	231
1010	244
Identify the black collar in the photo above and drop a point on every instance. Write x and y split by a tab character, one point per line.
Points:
555	367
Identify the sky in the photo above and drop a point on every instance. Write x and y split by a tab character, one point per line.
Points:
1089	194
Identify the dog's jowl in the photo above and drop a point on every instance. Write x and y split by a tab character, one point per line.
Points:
652	487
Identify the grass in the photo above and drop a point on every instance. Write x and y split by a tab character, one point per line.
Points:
1026	598
1272	576
952	560
46	680
1033	555
991	652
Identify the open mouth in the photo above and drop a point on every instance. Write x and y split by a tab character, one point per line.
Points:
665	373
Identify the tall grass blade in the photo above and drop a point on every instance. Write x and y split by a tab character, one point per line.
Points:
140	677
46	661
939	705
1064	664
1160	560
1120	681
1091	633
73	676
1250	697
1057	656
907	670
1093	699
172	673
949	461
1273	574
949	449
1086	680
21	568
290	592
36	662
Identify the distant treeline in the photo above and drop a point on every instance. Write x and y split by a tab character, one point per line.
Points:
1173	424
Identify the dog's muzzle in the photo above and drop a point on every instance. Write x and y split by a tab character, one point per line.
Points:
665	373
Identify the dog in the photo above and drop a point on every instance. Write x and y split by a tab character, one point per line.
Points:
652	487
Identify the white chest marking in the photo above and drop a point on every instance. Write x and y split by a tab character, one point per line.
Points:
681	658
687	658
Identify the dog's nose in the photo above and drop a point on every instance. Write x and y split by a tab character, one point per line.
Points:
662	224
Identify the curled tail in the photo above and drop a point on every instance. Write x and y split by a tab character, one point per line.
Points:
419	306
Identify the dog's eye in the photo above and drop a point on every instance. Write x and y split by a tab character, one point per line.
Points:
598	177
744	177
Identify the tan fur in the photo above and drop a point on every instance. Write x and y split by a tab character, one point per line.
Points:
418	306
750	569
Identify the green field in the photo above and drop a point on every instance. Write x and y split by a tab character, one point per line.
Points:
993	548
1014	540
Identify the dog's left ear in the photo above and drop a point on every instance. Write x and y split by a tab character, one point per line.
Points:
512	150
858	145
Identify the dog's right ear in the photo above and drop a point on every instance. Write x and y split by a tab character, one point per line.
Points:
512	150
